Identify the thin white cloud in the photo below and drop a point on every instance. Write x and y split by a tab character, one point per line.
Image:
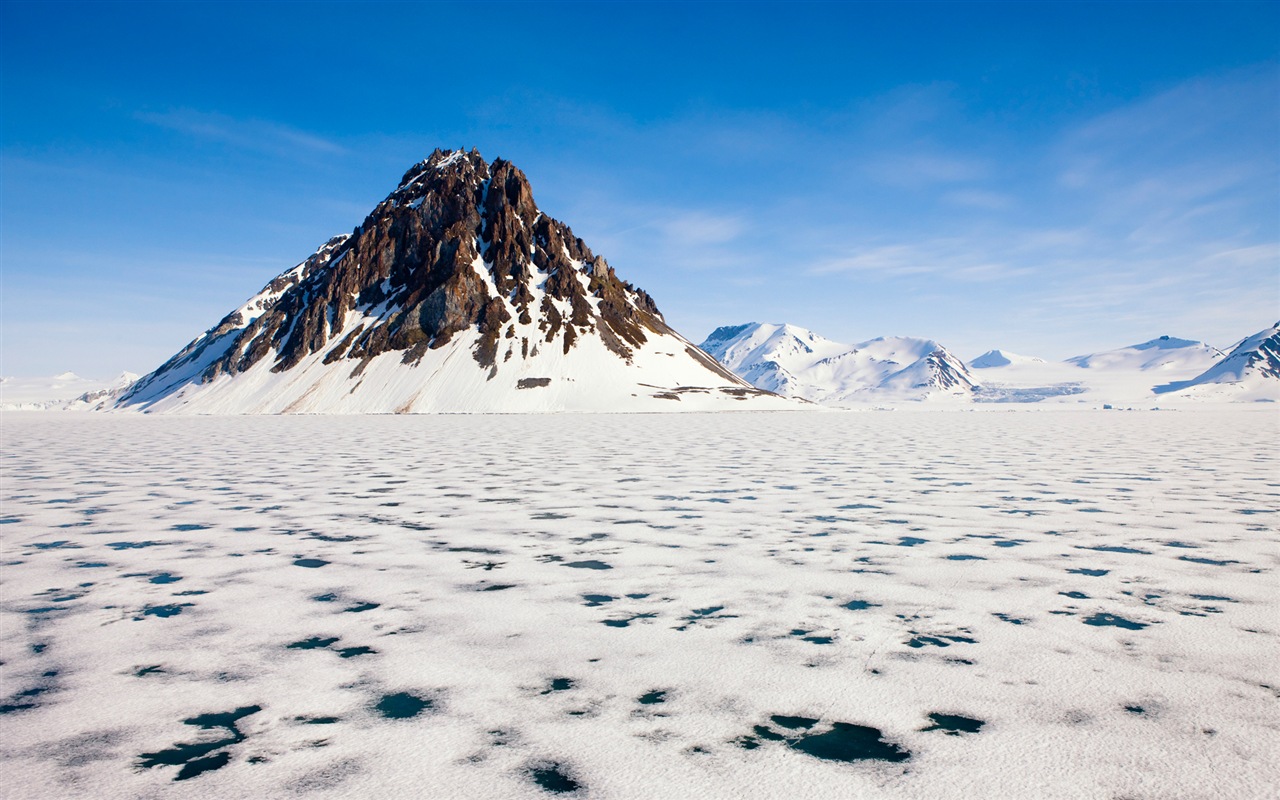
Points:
247	134
1191	142
1264	254
698	228
954	259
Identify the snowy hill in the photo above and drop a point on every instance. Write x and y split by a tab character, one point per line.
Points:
796	362
1251	371
456	294
1164	354
67	390
1001	358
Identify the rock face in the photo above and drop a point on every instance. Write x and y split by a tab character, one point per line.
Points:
457	259
796	362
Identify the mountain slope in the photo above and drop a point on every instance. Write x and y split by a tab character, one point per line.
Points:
1165	354
455	294
1001	358
1251	371
796	362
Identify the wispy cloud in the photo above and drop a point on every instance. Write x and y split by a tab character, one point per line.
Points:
248	134
1188	145
698	228
956	259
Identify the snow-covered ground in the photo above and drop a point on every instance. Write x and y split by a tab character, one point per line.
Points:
916	604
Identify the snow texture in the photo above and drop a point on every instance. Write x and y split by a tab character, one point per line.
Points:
915	604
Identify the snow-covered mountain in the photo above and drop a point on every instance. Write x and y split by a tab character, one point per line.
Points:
1164	354
1251	371
795	362
67	390
456	294
1134	374
1001	358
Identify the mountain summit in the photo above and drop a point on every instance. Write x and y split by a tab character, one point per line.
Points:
456	293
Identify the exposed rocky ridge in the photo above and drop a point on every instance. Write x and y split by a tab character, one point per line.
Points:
459	247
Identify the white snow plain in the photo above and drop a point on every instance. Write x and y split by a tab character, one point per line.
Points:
641	606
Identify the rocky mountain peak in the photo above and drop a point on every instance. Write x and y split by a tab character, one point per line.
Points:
458	255
459	244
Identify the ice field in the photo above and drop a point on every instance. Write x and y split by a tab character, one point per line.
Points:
914	604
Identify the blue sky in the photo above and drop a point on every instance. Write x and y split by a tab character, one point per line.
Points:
1051	179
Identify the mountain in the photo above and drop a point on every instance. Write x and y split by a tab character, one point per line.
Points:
795	362
456	294
1164	354
1251	371
1001	358
67	390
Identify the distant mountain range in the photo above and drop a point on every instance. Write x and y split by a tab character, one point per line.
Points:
67	390
796	362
